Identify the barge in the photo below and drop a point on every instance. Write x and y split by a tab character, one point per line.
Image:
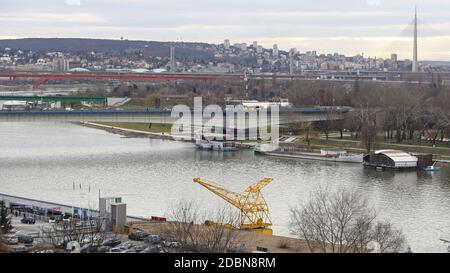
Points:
331	155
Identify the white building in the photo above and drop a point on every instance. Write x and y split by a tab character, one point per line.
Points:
61	65
254	104
226	44
275	50
15	105
259	49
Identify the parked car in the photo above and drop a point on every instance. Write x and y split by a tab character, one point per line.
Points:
111	242
171	244
103	249
129	251
115	250
19	249
139	248
25	239
11	240
137	236
153	239
125	245
28	221
150	250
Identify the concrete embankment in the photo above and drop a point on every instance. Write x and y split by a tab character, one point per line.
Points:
127	132
131	133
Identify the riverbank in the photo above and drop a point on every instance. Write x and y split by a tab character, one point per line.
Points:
127	132
356	144
143	130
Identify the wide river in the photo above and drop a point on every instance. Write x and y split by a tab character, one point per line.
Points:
46	160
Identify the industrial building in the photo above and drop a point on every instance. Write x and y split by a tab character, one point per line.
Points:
14	105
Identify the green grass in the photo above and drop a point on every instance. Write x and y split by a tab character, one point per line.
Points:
404	142
154	128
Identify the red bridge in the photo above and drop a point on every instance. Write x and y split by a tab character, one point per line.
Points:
42	78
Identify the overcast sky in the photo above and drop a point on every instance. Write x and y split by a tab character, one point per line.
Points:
372	27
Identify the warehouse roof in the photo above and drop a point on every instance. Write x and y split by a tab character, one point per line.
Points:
398	156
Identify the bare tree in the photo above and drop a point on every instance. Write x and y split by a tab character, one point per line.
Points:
63	232
448	244
343	222
369	128
388	238
198	233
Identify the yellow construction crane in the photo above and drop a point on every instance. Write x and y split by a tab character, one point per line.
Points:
254	210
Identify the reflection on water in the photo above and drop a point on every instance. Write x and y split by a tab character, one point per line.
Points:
45	161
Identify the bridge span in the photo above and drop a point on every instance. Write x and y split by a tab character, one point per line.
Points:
157	116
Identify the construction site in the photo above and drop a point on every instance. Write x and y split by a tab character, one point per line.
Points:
63	228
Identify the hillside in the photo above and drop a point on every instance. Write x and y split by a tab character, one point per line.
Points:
186	50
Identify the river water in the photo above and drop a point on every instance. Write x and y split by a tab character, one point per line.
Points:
48	160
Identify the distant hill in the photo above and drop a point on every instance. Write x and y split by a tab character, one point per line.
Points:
185	50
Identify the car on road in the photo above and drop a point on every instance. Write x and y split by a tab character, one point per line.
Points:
28	221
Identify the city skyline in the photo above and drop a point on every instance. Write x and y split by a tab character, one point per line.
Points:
373	27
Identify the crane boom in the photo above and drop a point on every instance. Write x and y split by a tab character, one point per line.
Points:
229	196
259	185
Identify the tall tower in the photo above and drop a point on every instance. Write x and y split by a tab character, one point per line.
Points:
415	66
275	50
173	62
291	61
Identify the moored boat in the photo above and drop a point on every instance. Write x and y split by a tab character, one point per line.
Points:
331	155
432	168
203	144
225	146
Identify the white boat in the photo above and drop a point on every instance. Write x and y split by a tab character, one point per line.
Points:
266	147
225	146
432	168
203	144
